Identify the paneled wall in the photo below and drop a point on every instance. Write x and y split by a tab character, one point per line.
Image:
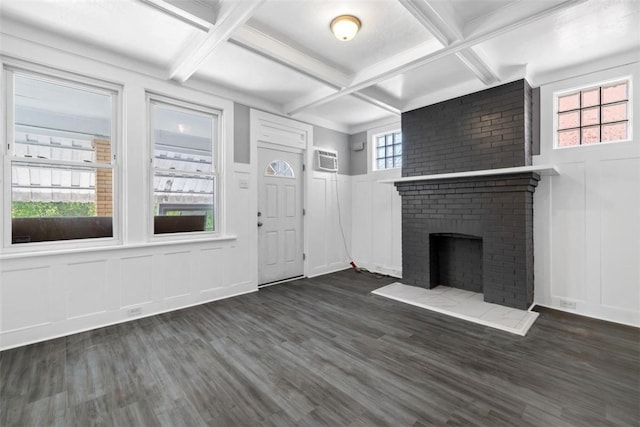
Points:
48	295
587	228
326	248
66	289
376	210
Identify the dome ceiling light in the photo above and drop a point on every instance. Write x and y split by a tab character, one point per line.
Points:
345	27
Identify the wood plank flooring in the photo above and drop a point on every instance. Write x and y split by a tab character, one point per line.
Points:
324	352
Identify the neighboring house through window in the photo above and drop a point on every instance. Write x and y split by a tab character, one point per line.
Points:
61	156
184	141
593	114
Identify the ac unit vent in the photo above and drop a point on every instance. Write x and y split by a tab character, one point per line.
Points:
327	160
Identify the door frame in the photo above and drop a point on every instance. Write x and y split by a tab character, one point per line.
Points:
280	133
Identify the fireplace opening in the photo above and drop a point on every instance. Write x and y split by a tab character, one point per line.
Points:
456	261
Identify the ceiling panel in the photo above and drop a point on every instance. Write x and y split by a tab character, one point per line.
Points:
242	70
129	27
574	36
434	76
348	110
468	10
387	28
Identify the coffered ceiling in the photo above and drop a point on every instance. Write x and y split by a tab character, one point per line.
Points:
280	55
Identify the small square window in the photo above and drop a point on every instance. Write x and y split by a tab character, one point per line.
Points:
568	138
591	135
614	132
569	102
614	113
388	151
615	93
593	115
590	97
569	120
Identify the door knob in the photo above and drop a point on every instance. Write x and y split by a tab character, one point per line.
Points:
259	224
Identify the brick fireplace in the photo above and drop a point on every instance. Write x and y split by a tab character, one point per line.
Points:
470	232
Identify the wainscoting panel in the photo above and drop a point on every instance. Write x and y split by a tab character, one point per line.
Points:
24	302
325	246
619	231
177	274
136	286
86	288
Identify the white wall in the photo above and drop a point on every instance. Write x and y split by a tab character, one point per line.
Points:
57	292
377	216
587	219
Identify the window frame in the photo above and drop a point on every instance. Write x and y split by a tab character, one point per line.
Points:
73	81
595	85
216	166
374	148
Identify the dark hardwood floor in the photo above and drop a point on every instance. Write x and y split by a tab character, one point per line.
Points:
324	351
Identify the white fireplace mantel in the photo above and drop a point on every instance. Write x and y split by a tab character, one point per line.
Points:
541	169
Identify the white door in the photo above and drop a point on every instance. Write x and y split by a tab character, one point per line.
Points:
279	215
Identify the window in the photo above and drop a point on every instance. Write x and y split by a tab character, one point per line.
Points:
388	151
185	172
279	168
593	115
61	159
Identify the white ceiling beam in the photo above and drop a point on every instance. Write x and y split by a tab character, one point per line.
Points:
369	77
478	66
271	48
403	57
378	97
232	15
193	12
276	50
434	18
437	18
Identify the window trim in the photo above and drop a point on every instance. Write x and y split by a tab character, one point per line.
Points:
217	167
63	78
598	84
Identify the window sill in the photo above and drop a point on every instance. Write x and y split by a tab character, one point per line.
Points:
55	252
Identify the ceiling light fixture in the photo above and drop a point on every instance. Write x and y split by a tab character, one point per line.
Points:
345	27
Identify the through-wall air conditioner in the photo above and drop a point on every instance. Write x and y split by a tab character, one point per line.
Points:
327	160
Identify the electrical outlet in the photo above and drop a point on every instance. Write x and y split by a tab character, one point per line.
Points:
567	304
135	311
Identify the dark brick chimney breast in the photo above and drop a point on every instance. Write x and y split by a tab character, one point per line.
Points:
490	129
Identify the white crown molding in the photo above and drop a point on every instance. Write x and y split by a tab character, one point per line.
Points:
612	61
14	33
375	125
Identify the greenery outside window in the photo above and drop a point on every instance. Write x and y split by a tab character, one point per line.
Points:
185	168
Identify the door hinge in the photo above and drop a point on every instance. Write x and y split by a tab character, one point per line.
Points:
304	211
304	167
304	256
